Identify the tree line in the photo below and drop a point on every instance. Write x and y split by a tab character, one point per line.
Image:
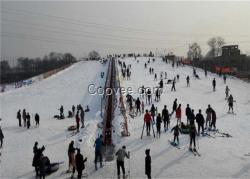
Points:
29	67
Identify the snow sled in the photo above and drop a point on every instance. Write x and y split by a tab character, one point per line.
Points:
184	130
169	81
71	128
47	167
59	117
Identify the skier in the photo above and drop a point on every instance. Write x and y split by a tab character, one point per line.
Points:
28	120
192	134
73	109
176	130
61	112
121	154
161	84
36	160
35	148
178	76
71	155
152	111
227	91
165	117
82	116
178	114
188	113
174	106
173	85
19	117
149	96
230	103
24	118
188	79
157	95
37	119
209	116
213	123
147	120
1	137
191	118
158	124
200	121
148	163
155	79
224	78
77	121
214	84
205	72
138	106
79	162
98	150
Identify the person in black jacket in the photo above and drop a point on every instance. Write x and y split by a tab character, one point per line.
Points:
1	137
148	163
191	117
37	157
176	130
80	163
19	117
138	106
165	118
188	113
158	124
200	121
174	106
214	84
37	119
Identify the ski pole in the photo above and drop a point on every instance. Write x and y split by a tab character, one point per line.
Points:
198	142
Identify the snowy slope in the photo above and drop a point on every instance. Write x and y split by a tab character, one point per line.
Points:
221	157
66	88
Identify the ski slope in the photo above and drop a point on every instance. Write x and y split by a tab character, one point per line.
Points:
220	156
66	88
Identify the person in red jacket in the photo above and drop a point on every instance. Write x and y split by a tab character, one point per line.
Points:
147	120
178	114
77	121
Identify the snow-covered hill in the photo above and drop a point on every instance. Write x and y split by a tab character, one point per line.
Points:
220	156
66	88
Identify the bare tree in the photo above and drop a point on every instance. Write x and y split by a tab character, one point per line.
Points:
94	55
194	51
215	44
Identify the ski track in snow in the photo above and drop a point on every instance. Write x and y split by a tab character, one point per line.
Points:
220	156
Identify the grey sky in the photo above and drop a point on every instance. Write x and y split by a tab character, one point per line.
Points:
37	28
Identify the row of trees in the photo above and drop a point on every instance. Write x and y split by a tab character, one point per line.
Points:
215	44
28	67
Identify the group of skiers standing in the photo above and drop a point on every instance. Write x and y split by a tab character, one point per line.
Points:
26	118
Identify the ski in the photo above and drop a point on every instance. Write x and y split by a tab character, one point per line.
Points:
196	152
153	129
142	129
71	134
173	144
209	135
247	155
191	150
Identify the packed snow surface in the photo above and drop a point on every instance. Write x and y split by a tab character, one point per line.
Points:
220	156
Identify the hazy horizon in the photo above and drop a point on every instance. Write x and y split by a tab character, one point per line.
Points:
33	29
